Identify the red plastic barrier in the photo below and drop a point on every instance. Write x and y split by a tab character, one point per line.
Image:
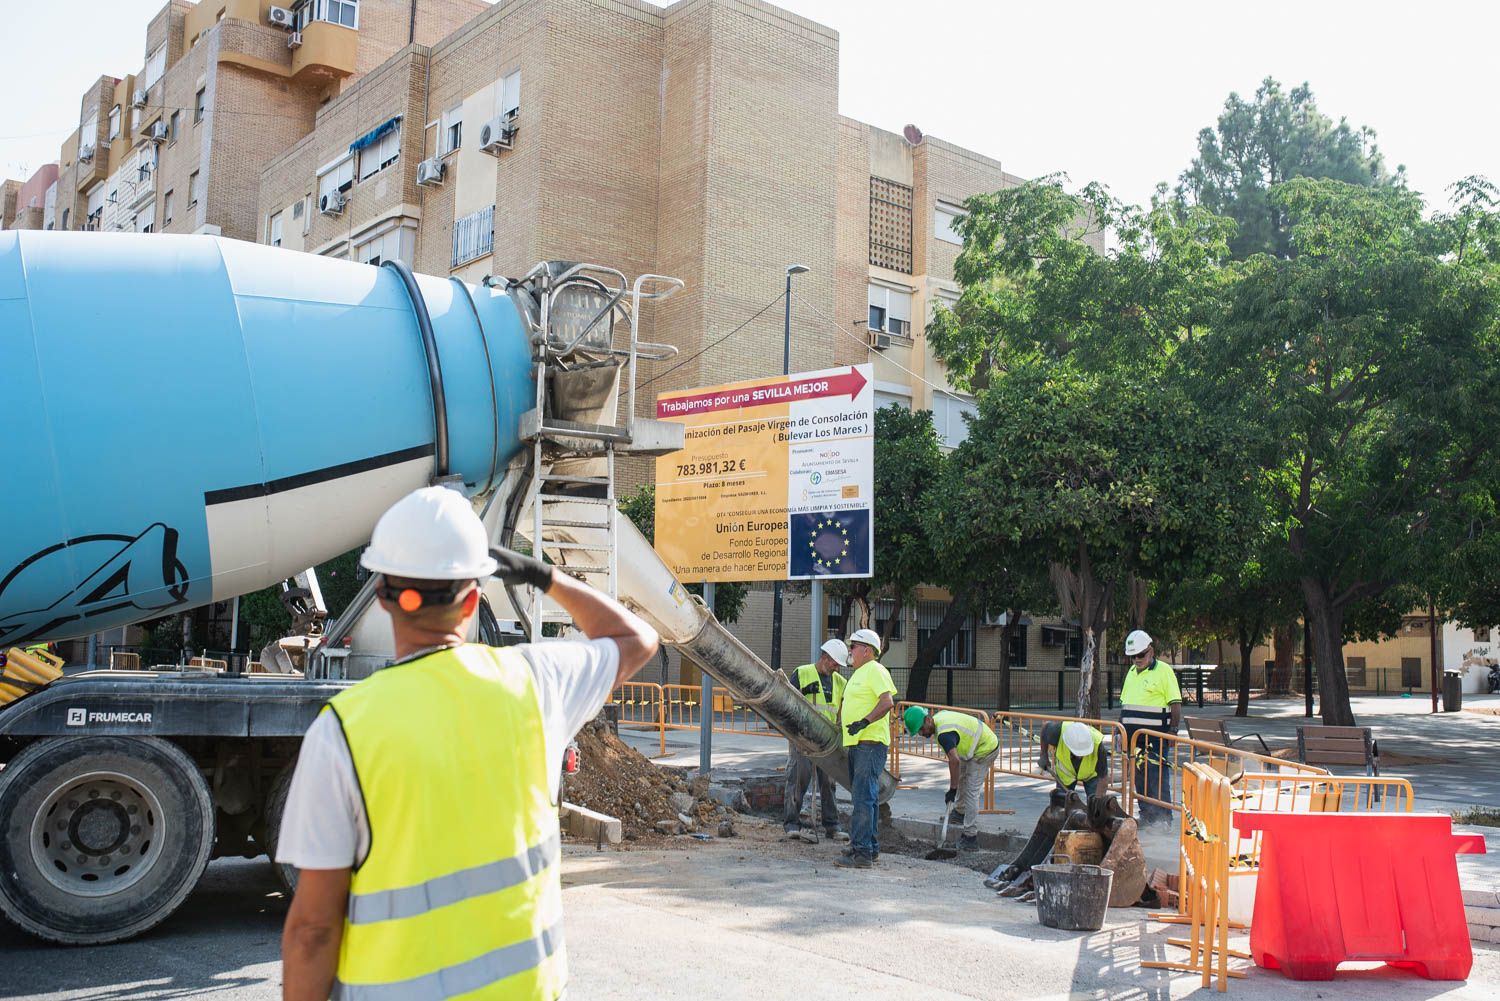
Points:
1359	886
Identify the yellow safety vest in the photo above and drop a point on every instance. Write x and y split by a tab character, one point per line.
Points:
1145	695
975	740
1070	771
460	891
808	674
861	694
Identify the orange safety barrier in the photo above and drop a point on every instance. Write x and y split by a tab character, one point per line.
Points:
681	704
1021	747
641	705
1203	887
926	747
120	660
1175	752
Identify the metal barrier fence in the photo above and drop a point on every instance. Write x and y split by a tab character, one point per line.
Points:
1021	748
640	705
681	708
1173	752
918	746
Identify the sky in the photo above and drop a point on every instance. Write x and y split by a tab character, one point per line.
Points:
1114	92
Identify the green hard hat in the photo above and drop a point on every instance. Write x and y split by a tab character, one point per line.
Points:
914	717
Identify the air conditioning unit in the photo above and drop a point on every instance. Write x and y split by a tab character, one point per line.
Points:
294	40
879	341
332	203
992	620
498	133
430	172
85	152
139	99
158	133
281	17
1052	636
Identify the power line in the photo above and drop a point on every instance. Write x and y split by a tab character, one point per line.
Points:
716	343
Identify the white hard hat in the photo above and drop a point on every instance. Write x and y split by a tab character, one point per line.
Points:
430	534
1137	642
869	637
1078	739
837	650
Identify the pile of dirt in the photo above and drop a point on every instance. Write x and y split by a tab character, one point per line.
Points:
616	779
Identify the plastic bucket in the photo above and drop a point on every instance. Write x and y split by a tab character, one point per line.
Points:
1072	897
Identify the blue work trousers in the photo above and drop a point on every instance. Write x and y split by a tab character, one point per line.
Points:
866	762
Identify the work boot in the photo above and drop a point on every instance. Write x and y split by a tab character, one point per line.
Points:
834	834
854	860
968	843
792	833
806	836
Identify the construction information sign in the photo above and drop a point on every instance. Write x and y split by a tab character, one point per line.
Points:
775	481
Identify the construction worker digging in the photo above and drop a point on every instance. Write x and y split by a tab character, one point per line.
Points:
822	685
864	717
970	747
1150	700
423	810
1074	754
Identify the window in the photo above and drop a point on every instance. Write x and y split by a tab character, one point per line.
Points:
66	213
114	122
199	99
297	208
884	398
1482	634
166	207
145	222
1018	647
95	208
890	310
508	93
336	176
192	189
172	126
392	245
943	218
453	131
890	225
1411	672
473	236
156	65
345	12
1073	651
1354	667
380	154
948	417
273	230
88	132
135	119
959	651
882	612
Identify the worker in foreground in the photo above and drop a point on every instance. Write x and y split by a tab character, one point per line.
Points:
865	718
970	747
1150	700
423	810
822	685
1074	753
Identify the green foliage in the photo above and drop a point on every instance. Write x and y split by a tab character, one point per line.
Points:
1259	144
640	508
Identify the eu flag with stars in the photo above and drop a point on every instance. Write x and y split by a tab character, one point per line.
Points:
831	543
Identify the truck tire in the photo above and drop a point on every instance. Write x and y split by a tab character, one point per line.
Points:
101	837
286	875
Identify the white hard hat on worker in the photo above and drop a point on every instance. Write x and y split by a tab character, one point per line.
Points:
837	651
1078	738
1138	642
430	534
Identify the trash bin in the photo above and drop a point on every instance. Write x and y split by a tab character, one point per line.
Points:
1453	692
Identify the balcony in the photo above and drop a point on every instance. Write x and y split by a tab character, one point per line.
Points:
327	51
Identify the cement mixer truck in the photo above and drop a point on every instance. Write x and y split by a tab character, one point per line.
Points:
171	442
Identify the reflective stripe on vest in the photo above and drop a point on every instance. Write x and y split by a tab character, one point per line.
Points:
1140	703
460	891
1069	771
807	674
971	733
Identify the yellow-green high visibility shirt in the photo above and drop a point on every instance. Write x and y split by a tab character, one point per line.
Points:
1146	695
975	739
861	693
808	674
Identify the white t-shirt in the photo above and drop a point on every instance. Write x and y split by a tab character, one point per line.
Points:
325	827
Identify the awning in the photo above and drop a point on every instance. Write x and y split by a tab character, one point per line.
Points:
374	135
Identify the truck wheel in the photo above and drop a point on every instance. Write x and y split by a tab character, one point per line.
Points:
101	837
286	875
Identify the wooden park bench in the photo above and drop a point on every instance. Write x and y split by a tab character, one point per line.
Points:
1340	747
1216	731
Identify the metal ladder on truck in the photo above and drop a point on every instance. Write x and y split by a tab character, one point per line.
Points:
581	421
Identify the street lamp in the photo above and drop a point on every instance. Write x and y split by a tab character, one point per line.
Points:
786	369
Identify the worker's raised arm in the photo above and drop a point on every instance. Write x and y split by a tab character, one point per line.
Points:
595	613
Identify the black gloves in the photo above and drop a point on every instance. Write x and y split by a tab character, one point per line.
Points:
811	688
515	568
951	795
857	726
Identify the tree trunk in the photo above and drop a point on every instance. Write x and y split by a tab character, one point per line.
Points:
1007	633
1284	646
1247	647
927	653
1327	621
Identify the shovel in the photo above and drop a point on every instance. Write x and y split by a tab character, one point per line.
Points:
940	852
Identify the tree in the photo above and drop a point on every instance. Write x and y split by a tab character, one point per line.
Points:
1112	470
1363	366
1259	144
640	508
